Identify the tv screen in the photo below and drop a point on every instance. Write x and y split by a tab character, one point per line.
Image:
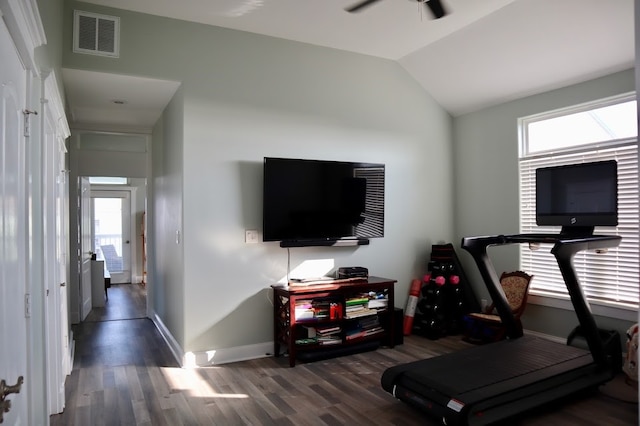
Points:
315	201
578	195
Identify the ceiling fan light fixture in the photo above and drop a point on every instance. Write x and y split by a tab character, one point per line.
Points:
435	7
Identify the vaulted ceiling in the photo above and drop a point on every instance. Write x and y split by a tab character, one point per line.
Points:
482	53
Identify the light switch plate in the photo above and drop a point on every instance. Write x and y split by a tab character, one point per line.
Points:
250	236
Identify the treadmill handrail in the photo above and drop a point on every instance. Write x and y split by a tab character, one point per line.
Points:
564	249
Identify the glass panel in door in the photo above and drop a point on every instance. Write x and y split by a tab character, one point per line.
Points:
111	236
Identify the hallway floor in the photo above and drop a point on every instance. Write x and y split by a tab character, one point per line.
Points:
126	301
118	350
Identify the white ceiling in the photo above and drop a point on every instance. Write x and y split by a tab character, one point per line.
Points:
484	52
110	99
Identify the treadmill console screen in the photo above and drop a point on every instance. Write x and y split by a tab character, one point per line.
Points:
577	195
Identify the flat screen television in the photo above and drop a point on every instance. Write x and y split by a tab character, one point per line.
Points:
322	203
577	197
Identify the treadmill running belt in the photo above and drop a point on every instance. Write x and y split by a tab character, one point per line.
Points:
484	384
482	366
488	368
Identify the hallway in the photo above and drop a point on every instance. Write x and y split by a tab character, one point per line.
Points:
117	353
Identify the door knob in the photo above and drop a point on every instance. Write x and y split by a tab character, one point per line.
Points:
5	405
6	389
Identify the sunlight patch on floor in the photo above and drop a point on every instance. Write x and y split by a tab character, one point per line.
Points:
192	382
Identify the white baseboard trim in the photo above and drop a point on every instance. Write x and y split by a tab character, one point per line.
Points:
176	349
227	355
211	357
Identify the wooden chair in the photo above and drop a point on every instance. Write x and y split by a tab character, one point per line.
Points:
486	327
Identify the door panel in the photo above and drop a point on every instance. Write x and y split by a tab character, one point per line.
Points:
112	232
62	203
85	247
57	338
13	230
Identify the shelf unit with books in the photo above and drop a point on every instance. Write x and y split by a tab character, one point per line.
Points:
329	318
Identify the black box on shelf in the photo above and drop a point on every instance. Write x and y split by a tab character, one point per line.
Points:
353	272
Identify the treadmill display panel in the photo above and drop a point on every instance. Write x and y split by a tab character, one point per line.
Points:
577	195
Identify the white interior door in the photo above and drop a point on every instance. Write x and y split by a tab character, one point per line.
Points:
54	197
13	230
85	251
62	236
112	232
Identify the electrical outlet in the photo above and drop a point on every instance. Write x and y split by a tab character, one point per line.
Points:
250	236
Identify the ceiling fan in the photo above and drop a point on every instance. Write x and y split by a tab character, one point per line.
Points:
435	6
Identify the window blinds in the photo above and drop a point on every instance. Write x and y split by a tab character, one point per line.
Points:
373	214
609	278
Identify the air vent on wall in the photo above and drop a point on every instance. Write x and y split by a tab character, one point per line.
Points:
96	34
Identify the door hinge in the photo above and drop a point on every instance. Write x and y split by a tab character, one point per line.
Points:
27	113
27	305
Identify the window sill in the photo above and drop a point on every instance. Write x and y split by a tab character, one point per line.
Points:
622	313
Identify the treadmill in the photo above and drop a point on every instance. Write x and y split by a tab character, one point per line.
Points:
485	384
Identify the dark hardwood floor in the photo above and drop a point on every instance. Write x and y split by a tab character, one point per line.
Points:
126	301
124	374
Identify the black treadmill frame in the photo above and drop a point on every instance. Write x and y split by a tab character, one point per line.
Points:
531	390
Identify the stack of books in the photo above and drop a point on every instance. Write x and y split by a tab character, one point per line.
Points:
314	309
364	327
378	302
321	308
328	335
357	306
304	310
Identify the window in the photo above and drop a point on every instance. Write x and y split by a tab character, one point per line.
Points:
102	180
604	130
373	223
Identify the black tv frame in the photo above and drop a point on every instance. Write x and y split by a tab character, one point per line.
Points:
317	240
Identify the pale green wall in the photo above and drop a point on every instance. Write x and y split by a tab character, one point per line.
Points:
245	97
486	182
310	103
49	56
167	286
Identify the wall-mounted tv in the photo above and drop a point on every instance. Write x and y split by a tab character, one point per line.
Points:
321	203
577	196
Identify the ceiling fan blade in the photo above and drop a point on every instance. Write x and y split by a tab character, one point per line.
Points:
436	8
356	7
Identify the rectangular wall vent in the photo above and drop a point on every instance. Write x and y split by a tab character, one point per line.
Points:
96	34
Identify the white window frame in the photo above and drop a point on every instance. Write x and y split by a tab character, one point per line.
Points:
108	180
579	154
